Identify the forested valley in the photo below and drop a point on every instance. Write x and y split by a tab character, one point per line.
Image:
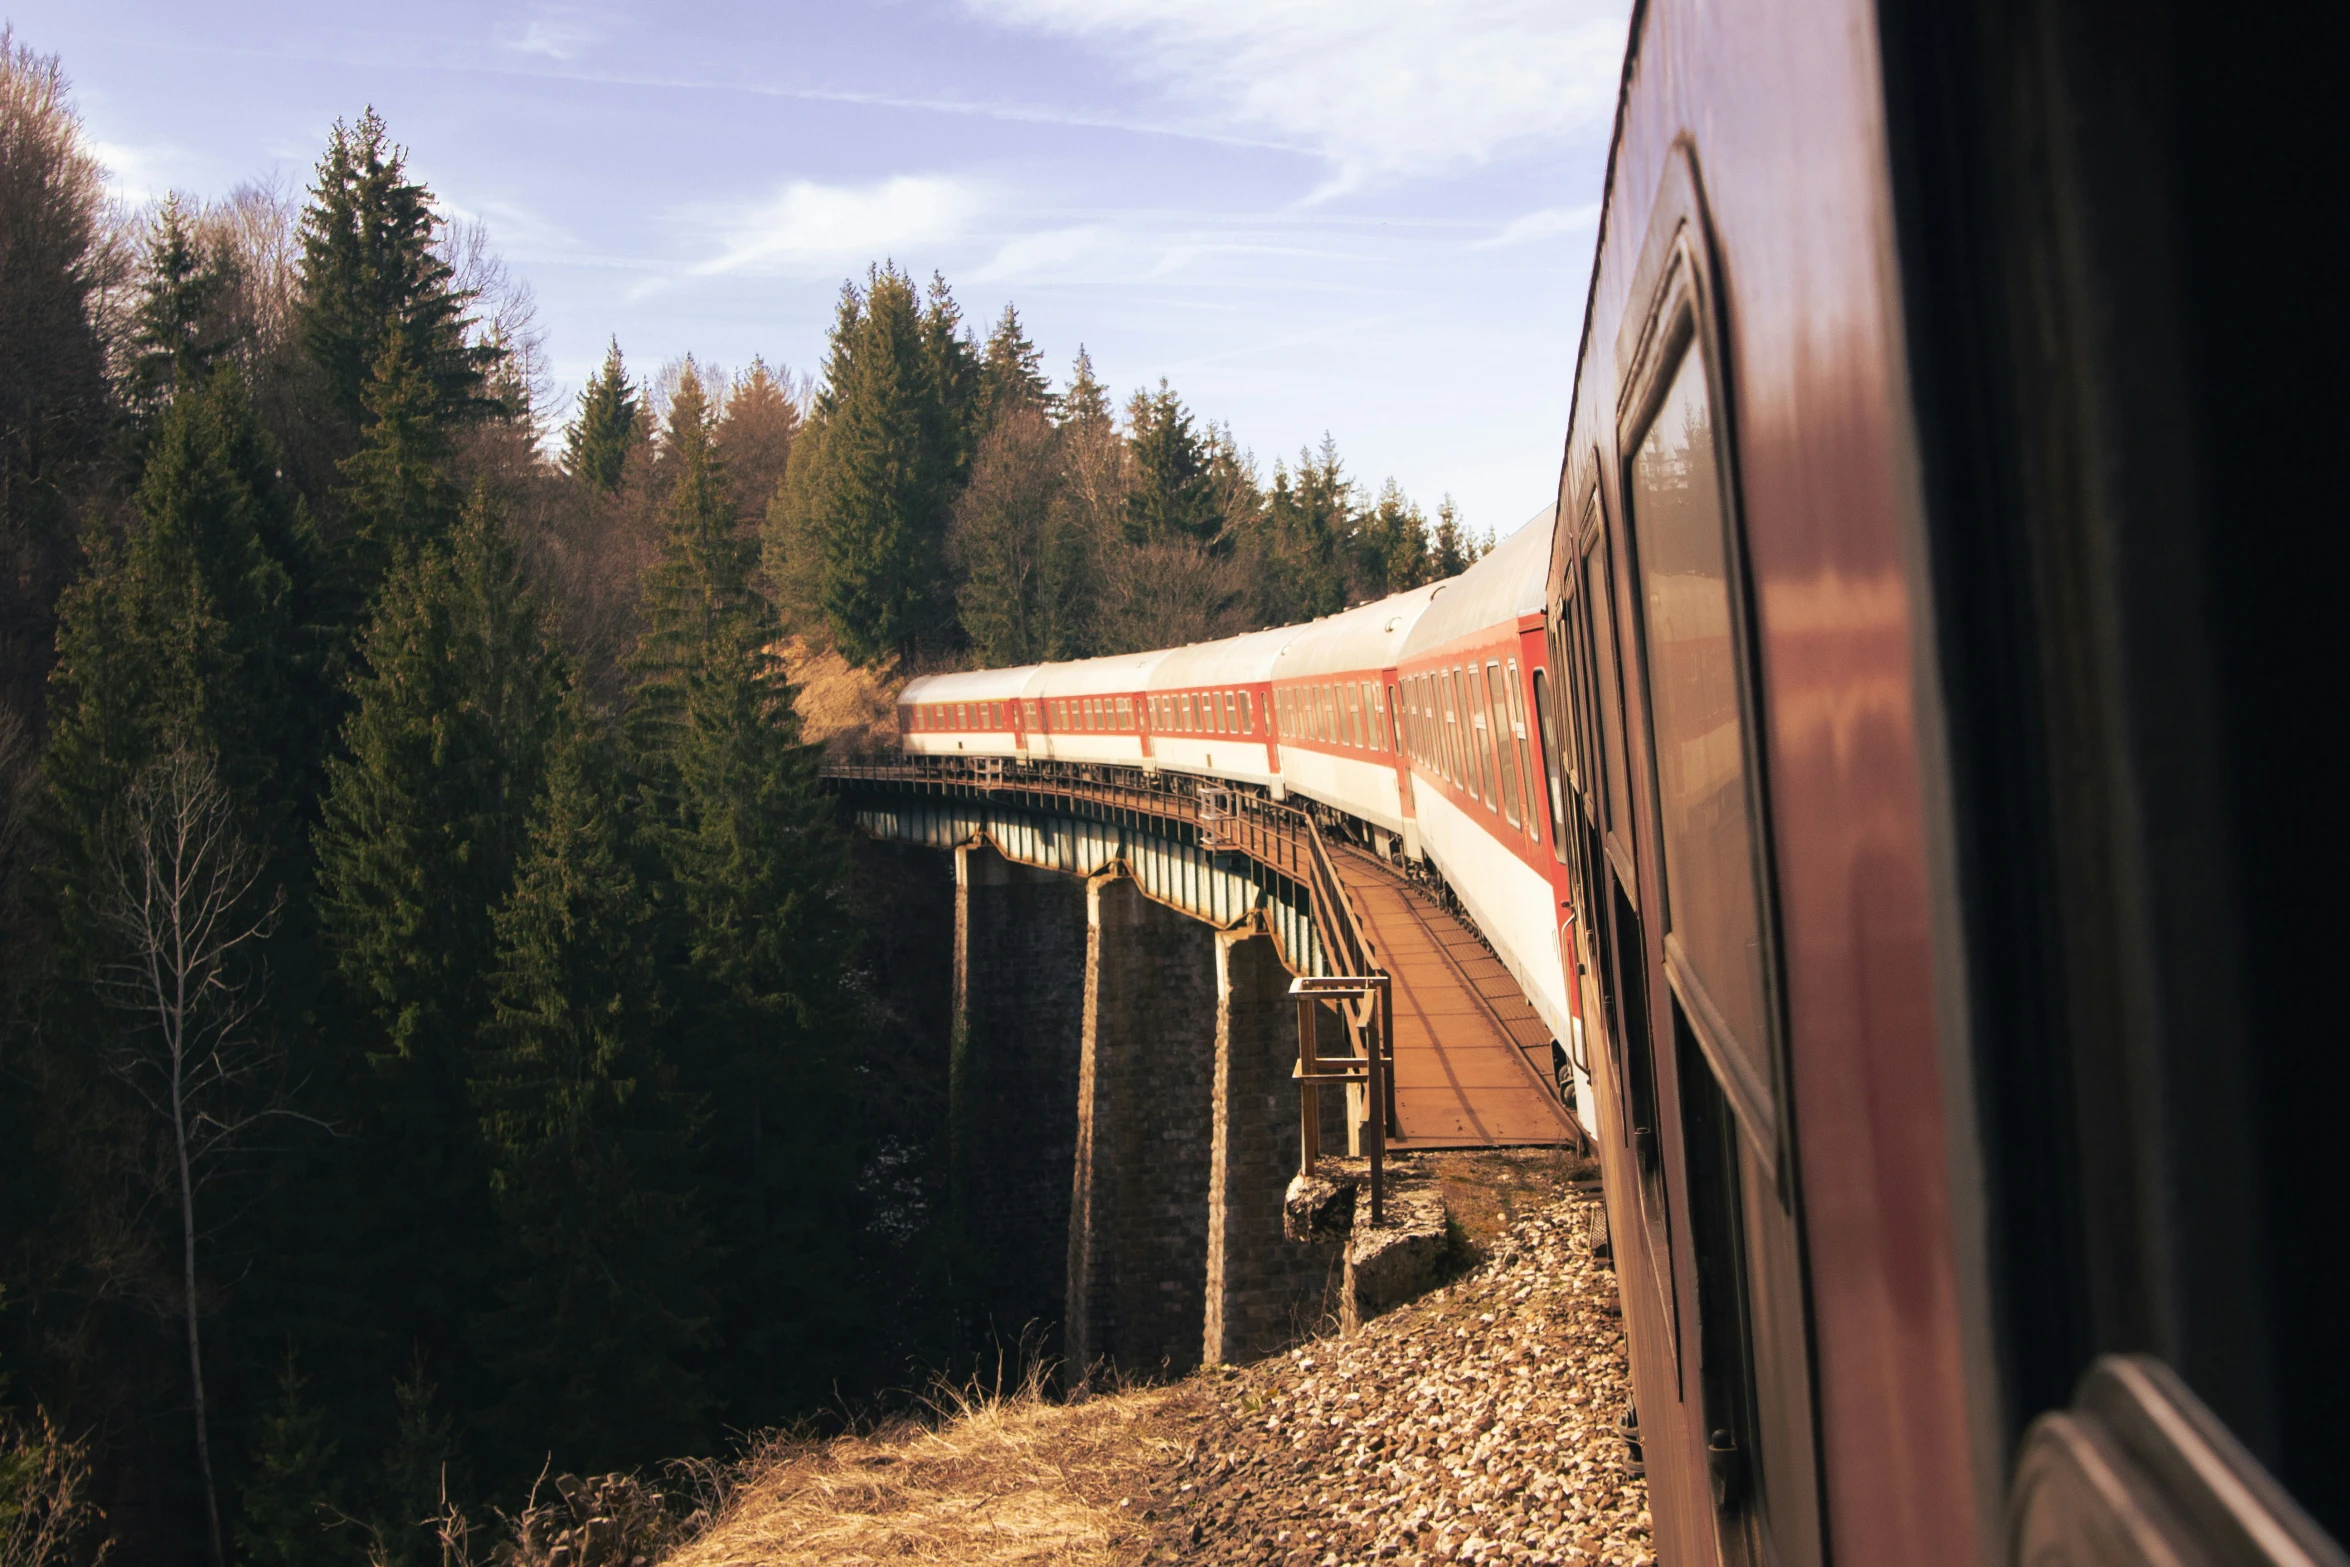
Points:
442	1037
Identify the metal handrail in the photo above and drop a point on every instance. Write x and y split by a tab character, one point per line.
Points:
1279	836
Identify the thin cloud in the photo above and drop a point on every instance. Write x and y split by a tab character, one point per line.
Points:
1542	225
1383	90
559	35
806	226
139	173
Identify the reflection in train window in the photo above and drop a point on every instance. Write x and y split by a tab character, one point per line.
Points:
1713	913
1598	593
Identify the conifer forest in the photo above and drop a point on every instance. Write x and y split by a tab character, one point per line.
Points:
445	1034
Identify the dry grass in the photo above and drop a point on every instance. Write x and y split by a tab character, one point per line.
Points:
847	708
988	1480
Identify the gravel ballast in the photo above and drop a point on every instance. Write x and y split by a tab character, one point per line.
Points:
1476	1424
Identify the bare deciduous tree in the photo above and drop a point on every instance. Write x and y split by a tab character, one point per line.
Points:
45	1507
179	892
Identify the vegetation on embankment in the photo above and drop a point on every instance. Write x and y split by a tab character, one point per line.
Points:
1476	1424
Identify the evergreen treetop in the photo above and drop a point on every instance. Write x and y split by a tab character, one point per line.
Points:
178	333
700	586
885	468
370	271
597	443
1087	401
1172	499
1011	372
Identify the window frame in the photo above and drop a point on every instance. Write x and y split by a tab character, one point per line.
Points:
1676	328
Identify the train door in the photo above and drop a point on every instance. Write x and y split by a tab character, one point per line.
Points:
1714	1029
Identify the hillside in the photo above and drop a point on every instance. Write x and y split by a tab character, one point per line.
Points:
1477	1424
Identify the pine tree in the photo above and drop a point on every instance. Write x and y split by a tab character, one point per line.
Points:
1307	517
603	1297
1391	551
185	633
369	271
1086	401
597	443
422	825
1451	551
180	328
292	1493
951	360
397	498
752	860
875	495
1011	373
699	582
421	1476
1172	498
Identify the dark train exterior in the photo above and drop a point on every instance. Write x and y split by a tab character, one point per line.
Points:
1942	703
1933	873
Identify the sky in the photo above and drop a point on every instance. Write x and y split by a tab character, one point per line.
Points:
1372	218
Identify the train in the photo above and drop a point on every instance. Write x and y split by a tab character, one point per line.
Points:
1894	759
1411	718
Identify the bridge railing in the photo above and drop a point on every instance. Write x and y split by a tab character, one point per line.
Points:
1283	838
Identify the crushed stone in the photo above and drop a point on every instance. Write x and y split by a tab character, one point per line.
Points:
1476	1424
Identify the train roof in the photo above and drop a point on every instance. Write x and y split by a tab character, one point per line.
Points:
1368	636
1234	661
969	685
1094	676
1510	581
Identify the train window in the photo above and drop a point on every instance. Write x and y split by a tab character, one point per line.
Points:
1455	729
1465	736
1598	594
1480	703
1545	721
1499	738
1227	723
1517	731
1446	718
1713	915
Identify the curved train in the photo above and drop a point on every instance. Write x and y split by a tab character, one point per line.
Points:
1896	753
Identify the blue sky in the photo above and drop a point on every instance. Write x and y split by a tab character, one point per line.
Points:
1372	218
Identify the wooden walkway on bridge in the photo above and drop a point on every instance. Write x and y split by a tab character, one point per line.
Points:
1472	1057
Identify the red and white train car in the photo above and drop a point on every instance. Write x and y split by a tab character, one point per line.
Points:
973	713
1331	699
1465	688
1089	711
1210	708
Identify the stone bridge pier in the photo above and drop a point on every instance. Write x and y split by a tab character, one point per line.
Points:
1124	1122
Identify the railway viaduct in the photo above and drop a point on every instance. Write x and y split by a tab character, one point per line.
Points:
1124	1103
